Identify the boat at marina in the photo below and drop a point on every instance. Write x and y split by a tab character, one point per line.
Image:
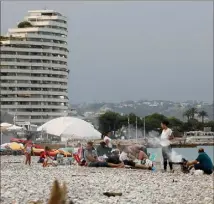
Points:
199	137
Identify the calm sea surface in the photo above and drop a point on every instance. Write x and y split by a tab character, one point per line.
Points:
187	153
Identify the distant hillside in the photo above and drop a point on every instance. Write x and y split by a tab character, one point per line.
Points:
142	108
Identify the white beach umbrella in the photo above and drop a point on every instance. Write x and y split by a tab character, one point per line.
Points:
15	127
5	145
70	128
5	125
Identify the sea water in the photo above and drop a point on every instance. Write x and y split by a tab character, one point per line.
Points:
187	153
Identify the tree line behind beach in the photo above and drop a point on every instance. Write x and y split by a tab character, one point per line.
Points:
194	121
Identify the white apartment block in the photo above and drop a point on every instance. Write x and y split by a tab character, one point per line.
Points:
34	70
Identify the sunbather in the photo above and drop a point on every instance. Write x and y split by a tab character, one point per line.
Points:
91	158
128	158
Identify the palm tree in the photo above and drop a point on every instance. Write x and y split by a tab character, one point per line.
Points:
202	114
187	113
193	111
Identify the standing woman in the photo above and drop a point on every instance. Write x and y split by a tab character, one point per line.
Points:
165	142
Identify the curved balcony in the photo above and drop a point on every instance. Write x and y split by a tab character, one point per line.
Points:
48	37
50	50
36	29
38	113
48	22
6	56
27	93
33	107
47	17
36	64
41	71
52	79
24	85
35	100
50	44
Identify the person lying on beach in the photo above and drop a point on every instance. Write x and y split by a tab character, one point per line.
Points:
134	152
203	162
128	159
129	162
91	158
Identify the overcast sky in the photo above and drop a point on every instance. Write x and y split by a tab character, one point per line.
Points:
133	50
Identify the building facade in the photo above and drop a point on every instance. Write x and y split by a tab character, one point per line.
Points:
34	69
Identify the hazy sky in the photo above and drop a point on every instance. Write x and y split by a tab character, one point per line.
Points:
133	50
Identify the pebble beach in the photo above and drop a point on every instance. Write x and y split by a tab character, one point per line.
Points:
21	184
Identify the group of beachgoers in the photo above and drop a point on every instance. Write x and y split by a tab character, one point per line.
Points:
132	156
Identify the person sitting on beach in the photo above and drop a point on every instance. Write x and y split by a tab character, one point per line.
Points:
47	157
41	157
102	149
203	162
91	158
80	150
107	140
128	159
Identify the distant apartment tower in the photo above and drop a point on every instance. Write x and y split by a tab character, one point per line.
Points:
34	70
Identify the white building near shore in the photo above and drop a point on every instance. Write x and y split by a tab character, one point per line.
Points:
34	70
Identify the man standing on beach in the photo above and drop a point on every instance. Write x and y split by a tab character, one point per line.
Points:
166	136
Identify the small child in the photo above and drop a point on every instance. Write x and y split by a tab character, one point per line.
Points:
28	152
41	157
47	157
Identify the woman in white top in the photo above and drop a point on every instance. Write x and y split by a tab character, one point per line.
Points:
166	136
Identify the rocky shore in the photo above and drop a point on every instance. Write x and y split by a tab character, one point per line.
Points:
21	184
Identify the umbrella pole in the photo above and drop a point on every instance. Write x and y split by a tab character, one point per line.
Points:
1	137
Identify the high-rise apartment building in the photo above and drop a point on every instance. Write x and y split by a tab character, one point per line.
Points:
34	70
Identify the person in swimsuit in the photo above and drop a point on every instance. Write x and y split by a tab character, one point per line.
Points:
28	152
